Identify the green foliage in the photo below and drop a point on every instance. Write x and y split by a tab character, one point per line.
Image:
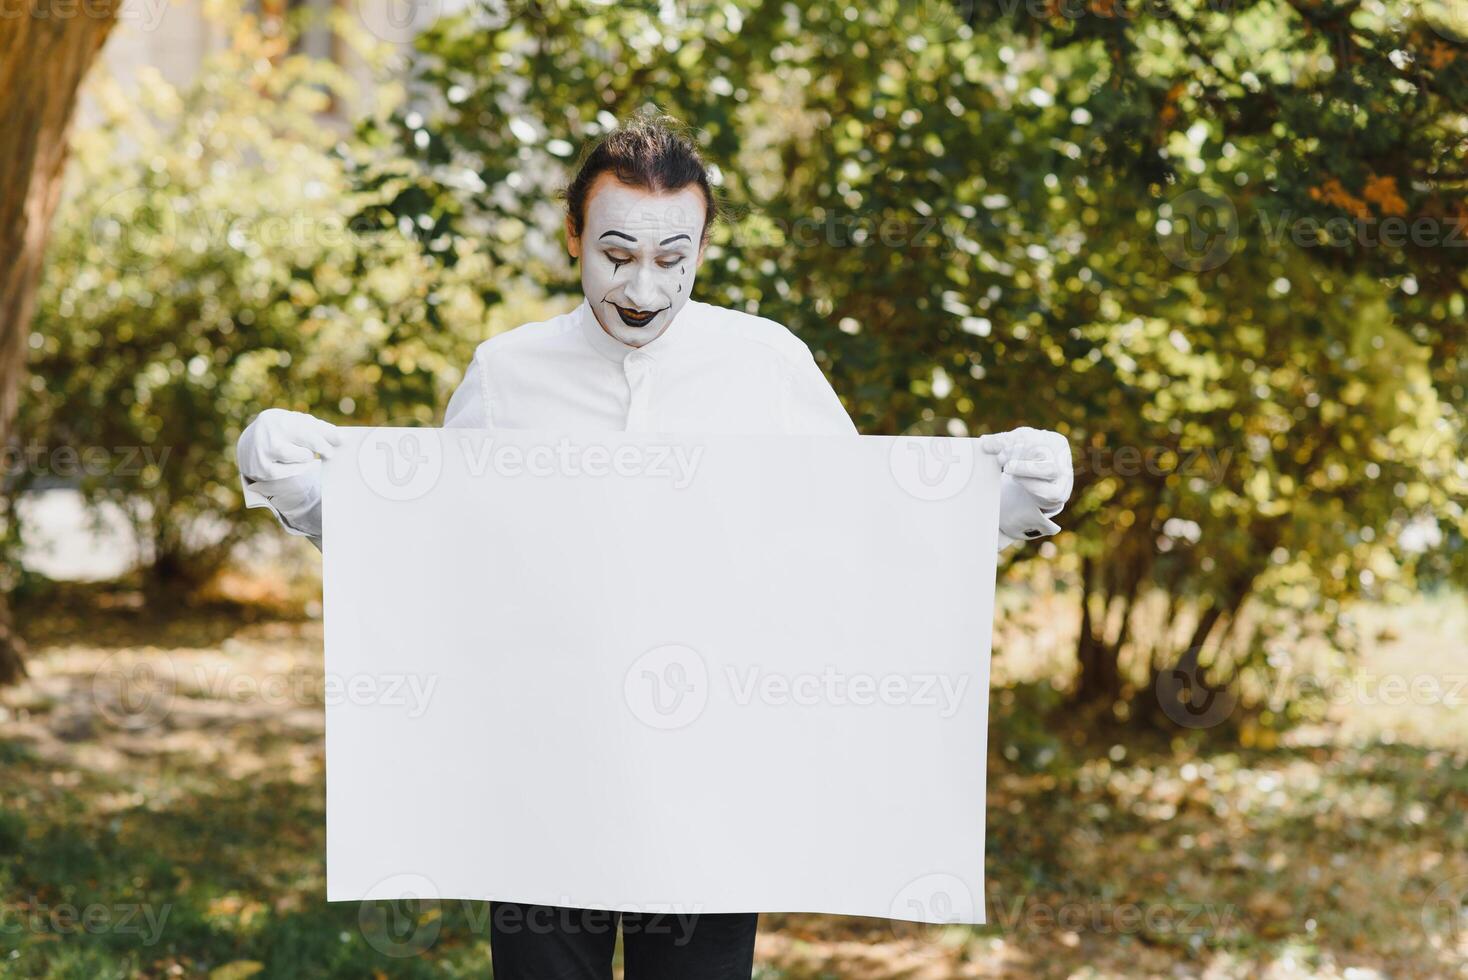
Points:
203	269
1220	247
1213	246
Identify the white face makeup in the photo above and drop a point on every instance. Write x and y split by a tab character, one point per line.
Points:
639	253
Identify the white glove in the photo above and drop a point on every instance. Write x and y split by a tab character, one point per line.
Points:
1036	483
277	455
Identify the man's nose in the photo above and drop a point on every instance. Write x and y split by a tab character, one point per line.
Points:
642	291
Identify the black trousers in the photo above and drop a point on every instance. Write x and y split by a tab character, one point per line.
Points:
546	942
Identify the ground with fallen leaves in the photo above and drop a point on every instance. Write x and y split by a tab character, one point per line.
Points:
162	815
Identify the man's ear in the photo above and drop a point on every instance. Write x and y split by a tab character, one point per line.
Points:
573	243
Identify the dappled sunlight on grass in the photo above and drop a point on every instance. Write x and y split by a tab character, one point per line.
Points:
167	772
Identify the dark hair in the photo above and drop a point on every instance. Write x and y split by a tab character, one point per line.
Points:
652	151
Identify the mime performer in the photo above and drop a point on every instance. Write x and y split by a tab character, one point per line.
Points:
638	355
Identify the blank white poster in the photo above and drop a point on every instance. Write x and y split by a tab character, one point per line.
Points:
659	673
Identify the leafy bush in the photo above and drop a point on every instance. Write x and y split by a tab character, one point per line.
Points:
1213	246
204	268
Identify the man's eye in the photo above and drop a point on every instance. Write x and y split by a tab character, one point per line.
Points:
617	260
668	263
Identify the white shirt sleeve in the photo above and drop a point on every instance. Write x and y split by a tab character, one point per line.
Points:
469	406
1020	517
811	405
294	500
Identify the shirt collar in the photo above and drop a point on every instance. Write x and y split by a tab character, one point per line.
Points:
614	350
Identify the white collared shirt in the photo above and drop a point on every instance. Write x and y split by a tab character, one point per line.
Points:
712	370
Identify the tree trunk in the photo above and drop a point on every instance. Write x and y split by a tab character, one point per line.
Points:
46	47
1099	680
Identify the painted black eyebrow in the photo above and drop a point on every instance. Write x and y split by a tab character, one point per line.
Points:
666	241
619	234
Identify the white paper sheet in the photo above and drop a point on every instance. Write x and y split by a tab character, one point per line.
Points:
659	673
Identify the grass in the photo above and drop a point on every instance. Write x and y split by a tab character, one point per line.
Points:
183	837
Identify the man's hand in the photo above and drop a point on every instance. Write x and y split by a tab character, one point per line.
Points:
279	470
1038	479
281	444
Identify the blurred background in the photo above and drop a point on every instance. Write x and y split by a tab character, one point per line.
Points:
1221	244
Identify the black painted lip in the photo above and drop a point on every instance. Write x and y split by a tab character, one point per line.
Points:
636	318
